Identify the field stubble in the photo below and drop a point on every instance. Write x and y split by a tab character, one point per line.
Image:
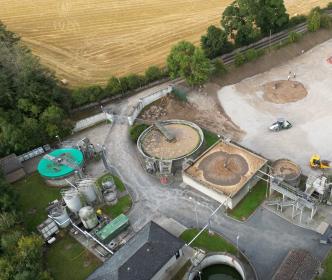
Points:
87	41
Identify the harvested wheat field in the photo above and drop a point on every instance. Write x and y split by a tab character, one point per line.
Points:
87	41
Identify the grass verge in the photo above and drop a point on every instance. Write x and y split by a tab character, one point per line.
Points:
34	196
67	259
327	266
250	202
123	206
207	242
210	138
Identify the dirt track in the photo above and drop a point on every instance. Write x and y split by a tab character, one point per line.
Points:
87	41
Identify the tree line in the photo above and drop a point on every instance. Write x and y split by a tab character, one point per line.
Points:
20	252
33	108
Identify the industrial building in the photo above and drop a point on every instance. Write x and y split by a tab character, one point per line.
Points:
12	168
225	172
166	145
147	255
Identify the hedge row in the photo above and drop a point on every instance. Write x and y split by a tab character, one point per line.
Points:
116	86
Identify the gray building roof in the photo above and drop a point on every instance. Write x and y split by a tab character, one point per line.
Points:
10	164
141	257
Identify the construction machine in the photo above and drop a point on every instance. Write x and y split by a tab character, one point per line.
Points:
318	163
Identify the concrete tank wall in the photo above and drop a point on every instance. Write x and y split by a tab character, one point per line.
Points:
218	259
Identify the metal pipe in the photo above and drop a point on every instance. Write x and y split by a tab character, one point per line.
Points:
83	232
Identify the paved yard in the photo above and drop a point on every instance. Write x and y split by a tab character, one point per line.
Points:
311	116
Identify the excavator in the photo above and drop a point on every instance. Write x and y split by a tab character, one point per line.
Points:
318	163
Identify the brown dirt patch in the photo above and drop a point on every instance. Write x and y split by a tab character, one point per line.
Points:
286	169
284	91
222	168
202	108
156	145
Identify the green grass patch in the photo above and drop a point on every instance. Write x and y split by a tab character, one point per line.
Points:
182	272
123	206
207	242
136	130
119	185
327	266
250	202
210	138
67	259
34	196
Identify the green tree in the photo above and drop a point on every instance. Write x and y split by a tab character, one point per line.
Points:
314	21
270	15
219	67
135	81
27	89
179	59
189	62
113	86
238	22
153	73
215	42
52	118
201	69
246	34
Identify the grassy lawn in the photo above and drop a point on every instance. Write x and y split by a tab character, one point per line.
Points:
119	185
210	138
34	196
250	202
208	243
67	259
183	270
327	265
123	206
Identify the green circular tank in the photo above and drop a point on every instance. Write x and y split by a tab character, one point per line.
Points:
60	163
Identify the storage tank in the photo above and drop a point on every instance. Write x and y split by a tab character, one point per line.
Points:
288	170
109	184
72	198
60	166
110	197
87	189
60	216
88	217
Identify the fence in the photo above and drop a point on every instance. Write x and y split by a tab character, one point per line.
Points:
88	122
146	101
34	153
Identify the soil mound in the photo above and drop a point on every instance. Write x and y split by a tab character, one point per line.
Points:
283	91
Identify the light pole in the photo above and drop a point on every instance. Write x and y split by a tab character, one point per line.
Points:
58	137
195	211
237	244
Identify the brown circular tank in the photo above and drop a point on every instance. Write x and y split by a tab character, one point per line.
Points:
288	170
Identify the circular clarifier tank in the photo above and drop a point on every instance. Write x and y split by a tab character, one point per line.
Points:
60	164
218	267
187	138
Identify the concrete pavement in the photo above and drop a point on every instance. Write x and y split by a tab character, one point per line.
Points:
265	238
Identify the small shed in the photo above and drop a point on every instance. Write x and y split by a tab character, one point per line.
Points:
12	168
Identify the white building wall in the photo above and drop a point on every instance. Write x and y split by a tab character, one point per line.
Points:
231	202
210	193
